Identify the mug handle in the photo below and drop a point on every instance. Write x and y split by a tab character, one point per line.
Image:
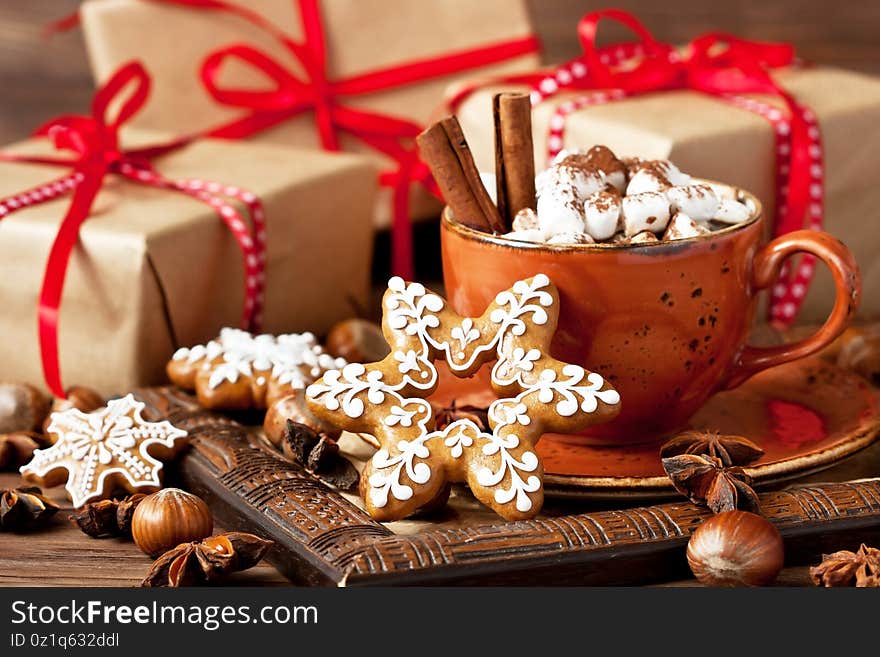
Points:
847	284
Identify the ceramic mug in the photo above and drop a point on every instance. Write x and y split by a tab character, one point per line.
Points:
667	322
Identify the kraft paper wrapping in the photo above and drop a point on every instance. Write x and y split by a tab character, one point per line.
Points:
361	36
155	269
711	139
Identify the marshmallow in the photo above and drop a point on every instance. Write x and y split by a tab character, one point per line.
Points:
602	159
699	202
602	214
560	210
675	175
681	227
541	180
564	153
732	212
628	201
645	211
526	219
571	238
645	237
632	164
645	180
488	180
527	235
655	176
583	180
723	191
616	179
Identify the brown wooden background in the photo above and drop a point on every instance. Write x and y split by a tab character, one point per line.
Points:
40	78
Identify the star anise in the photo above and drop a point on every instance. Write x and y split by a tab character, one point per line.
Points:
107	518
730	450
125	512
319	454
17	448
706	481
24	509
446	415
207	561
845	568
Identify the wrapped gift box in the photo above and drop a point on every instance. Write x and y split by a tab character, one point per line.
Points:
712	139
155	269
361	36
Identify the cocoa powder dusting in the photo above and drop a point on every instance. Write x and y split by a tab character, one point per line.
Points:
604	201
579	163
611	189
632	164
603	158
573	202
658	169
696	191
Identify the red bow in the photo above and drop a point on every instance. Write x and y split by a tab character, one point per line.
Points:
94	142
291	96
717	64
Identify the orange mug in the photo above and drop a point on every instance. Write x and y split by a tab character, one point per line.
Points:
666	322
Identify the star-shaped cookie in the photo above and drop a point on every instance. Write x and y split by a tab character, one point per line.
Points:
95	453
537	393
238	370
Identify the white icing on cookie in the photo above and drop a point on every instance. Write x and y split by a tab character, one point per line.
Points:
114	440
412	310
294	359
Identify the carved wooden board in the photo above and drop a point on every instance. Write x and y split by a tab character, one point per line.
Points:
323	539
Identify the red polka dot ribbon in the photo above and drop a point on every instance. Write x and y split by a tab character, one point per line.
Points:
94	142
718	64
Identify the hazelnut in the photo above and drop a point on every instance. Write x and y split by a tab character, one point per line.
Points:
293	408
17	448
860	352
736	548
79	397
168	518
22	407
357	341
7	454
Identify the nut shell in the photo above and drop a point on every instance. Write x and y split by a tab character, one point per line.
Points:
294	408
22	407
79	397
168	518
736	548
17	448
357	341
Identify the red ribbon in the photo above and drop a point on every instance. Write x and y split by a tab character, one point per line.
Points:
94	143
717	64
290	96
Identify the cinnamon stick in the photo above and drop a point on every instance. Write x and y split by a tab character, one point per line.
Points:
514	154
445	150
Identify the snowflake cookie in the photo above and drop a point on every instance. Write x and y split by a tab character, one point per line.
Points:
237	370
537	393
111	448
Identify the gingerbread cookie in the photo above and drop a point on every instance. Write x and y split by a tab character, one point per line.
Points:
538	394
238	370
99	452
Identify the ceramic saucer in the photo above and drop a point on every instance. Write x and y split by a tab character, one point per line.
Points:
806	415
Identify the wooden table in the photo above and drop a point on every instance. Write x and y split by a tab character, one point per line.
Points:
61	555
